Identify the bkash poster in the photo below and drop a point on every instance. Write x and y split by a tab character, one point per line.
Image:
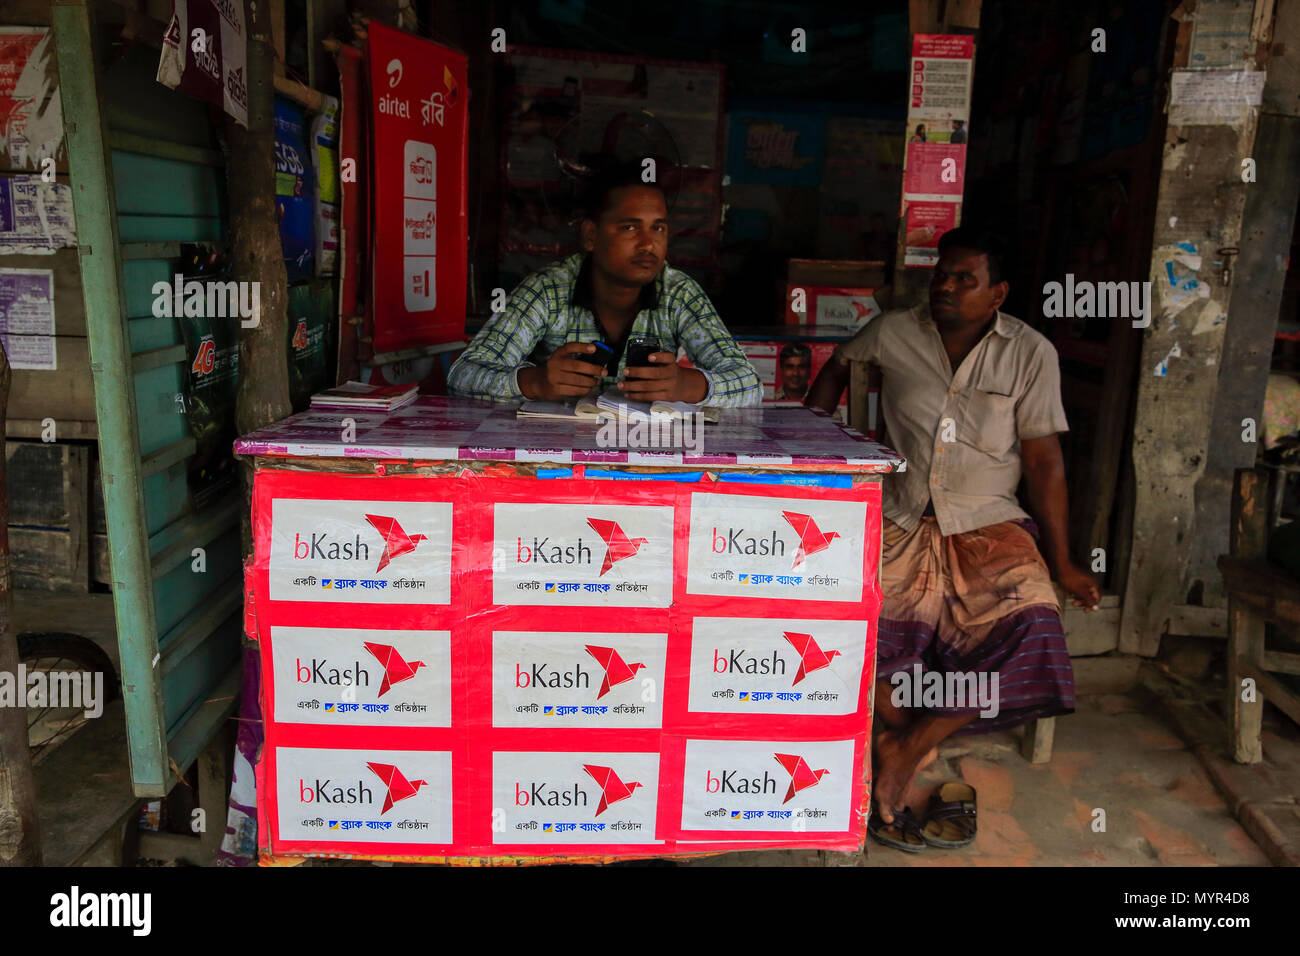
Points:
641	669
419	123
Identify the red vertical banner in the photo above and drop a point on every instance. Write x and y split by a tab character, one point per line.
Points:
420	126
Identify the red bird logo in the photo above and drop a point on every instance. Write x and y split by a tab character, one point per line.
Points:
801	776
616	672
811	538
617	545
396	541
811	657
612	789
396	669
399	788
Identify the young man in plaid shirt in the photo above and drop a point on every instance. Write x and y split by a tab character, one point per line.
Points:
618	287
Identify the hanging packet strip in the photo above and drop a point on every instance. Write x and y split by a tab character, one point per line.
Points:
325	164
293	192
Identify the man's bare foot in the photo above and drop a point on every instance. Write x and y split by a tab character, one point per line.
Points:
893	770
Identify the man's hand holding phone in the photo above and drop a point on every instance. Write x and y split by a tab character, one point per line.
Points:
572	371
662	380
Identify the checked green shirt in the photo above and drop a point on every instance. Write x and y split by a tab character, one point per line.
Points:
551	307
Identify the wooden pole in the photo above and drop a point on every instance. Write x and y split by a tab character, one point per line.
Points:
19	838
256	253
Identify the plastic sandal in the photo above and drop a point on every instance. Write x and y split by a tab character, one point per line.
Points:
951	821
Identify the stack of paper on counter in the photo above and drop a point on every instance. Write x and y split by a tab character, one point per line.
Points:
359	395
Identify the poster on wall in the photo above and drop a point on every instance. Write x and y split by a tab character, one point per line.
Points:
31	113
938	122
204	54
419	127
36	217
926	222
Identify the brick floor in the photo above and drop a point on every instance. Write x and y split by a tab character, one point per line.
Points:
1114	755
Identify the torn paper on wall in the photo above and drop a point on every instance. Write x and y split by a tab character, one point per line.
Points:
27	318
1162	368
204	54
1214	97
36	217
31	114
1180	285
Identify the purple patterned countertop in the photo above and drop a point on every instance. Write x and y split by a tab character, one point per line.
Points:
434	428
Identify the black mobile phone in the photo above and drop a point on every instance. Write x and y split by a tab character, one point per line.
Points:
639	351
603	356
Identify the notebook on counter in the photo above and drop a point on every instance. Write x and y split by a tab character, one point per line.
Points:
359	395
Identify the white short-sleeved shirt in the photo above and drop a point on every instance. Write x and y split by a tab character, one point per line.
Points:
960	433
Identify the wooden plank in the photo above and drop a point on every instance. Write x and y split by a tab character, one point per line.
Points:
1190	621
124	142
1036	744
1201	193
33	470
145	228
1270	688
100	573
167	456
1282	663
48	559
153	358
95	207
65	393
67	430
199	624
199	727
171	546
163	186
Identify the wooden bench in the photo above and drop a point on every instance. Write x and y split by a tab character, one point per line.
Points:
1259	594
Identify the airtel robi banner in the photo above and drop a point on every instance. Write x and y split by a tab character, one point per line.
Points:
419	120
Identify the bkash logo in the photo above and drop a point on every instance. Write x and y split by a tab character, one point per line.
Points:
616	670
617	544
612	789
811	657
812	539
318	546
396	669
396	541
399	788
801	775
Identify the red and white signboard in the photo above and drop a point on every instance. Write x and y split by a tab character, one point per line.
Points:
420	128
484	717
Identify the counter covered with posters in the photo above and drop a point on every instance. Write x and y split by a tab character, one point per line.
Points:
472	649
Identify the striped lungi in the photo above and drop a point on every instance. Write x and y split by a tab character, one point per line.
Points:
971	603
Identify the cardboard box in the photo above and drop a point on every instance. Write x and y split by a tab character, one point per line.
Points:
835	292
